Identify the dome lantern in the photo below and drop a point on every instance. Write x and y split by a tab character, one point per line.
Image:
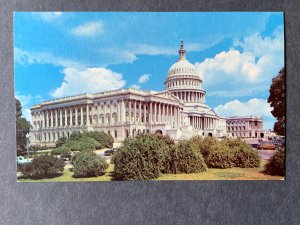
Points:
182	51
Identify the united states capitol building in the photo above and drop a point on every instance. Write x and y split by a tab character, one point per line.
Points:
179	111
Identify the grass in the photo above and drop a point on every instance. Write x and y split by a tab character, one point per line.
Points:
211	174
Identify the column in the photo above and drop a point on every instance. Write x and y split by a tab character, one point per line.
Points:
81	115
66	117
76	116
155	113
87	115
105	112
171	112
56	118
60	117
129	105
163	113
123	109
140	112
167	114
150	112
145	113
71	116
159	112
118	111
51	117
47	118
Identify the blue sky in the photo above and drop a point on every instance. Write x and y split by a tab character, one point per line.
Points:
60	54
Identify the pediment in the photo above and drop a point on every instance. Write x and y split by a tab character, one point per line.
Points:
167	95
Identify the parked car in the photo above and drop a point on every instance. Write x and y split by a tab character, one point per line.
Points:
22	160
66	157
266	146
109	152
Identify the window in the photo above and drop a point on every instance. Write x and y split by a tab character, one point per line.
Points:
116	134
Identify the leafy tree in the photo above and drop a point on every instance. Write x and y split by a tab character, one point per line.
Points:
277	101
22	128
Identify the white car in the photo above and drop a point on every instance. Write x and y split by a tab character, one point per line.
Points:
22	160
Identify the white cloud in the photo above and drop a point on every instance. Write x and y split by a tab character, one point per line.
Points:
255	107
144	78
136	86
49	16
251	62
24	57
26	102
88	80
88	29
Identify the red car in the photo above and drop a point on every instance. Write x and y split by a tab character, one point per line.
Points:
266	146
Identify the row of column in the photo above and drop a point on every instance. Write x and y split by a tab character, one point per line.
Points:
64	117
137	112
189	96
203	123
154	112
183	82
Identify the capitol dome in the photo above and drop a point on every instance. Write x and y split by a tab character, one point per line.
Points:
183	80
182	66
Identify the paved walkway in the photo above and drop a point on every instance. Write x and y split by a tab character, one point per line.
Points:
266	154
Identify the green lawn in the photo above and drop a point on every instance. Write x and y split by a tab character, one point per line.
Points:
211	174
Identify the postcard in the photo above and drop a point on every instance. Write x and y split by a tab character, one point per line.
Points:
121	96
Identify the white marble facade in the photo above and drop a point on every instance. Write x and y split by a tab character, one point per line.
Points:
245	127
179	111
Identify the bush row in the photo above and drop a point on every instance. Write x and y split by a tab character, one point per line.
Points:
147	155
226	153
87	141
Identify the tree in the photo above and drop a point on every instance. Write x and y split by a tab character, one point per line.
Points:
277	101
22	128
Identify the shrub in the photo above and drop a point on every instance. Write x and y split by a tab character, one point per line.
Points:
204	145
105	140
220	156
82	144
44	166
88	164
139	158
276	164
61	150
246	158
61	141
182	158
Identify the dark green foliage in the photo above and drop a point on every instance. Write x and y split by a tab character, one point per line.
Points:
88	164
22	128
221	156
166	139
37	148
182	158
277	101
82	144
139	158
276	164
44	166
204	145
226	153
61	150
61	141
105	140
